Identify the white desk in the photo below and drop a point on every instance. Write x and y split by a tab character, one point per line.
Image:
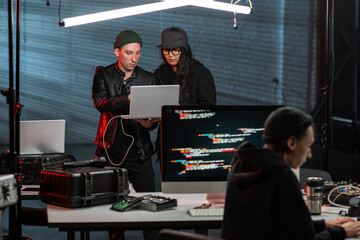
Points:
102	218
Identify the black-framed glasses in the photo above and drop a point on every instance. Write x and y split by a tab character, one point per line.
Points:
175	52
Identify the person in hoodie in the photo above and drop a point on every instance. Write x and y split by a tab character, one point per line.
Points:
263	199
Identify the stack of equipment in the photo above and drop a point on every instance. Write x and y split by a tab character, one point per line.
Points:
31	165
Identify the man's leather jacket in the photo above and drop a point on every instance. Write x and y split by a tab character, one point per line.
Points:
110	97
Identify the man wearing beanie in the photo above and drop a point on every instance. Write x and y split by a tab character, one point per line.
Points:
124	142
263	199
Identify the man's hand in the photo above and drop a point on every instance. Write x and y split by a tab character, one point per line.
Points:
352	229
338	221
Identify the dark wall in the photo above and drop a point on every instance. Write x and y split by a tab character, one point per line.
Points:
275	56
269	59
345	86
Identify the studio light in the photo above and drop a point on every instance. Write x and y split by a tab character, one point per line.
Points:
120	13
152	7
221	6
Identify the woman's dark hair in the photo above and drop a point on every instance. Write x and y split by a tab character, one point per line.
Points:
183	68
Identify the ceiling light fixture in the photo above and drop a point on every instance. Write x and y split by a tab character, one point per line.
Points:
221	6
152	7
119	13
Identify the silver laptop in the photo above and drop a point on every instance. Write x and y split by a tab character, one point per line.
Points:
146	101
42	136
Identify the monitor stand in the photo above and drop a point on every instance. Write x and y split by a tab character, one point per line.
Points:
216	199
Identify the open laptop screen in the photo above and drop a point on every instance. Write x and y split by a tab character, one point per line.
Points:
146	101
42	136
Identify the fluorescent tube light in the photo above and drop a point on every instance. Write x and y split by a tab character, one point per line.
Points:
152	7
119	13
222	6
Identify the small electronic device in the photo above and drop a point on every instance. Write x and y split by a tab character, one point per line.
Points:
126	203
340	192
156	203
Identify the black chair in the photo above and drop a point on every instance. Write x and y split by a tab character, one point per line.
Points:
170	234
309	172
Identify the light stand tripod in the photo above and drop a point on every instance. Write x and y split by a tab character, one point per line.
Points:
12	98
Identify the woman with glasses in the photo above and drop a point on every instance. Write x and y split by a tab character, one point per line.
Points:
196	82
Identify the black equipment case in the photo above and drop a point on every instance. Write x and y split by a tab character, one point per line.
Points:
83	187
31	165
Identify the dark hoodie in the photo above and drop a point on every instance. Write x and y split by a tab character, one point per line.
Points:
199	88
263	201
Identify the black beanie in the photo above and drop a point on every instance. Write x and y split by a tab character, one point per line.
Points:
285	122
126	37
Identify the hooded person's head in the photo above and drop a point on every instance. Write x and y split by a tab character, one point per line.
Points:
285	122
288	132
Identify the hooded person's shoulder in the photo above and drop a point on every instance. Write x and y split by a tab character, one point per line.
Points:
259	157
251	165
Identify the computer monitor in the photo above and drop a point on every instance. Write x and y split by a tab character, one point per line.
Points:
198	144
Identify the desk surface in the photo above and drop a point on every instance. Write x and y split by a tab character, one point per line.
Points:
102	218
